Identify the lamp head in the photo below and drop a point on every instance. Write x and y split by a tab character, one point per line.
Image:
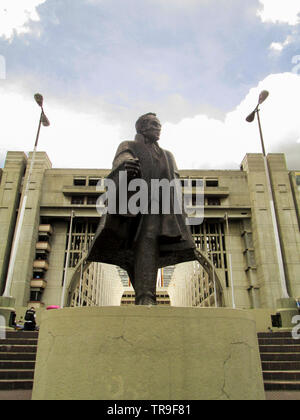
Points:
39	99
251	117
263	96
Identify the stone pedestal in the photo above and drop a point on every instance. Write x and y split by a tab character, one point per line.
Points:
287	308
148	353
7	305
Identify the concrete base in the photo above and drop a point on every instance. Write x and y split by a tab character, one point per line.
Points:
287	308
148	353
7	305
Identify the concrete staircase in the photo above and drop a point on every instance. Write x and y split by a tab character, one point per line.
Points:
280	358
17	360
279	352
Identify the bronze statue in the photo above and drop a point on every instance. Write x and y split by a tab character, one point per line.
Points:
144	242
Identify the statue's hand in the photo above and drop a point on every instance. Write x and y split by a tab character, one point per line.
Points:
132	166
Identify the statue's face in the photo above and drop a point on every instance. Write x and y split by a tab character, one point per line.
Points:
152	128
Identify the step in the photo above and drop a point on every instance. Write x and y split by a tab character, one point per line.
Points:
10	385
278	375
17	356
16	364
280	360
19	342
22	334
277	365
17	360
278	334
279	349
16	374
17	349
282	386
279	357
278	341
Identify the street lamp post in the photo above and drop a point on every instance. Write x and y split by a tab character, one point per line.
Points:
45	122
262	97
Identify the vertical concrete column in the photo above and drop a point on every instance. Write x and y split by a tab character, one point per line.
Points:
54	276
296	193
26	249
287	221
268	277
10	188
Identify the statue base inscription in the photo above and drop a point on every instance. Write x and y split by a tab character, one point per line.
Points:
148	353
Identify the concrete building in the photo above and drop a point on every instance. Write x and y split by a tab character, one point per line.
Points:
237	236
162	297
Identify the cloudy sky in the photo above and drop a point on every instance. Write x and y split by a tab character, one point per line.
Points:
199	64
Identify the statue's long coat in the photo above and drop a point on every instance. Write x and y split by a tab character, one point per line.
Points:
116	234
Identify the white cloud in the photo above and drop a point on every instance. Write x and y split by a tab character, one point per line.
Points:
15	15
87	140
279	46
202	142
275	11
74	138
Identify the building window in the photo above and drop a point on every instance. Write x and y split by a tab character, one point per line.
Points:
213	201
197	181
77	199
43	237
92	200
41	256
82	237
38	275
298	181
93	182
210	238
80	181
184	182
212	183
194	199
35	296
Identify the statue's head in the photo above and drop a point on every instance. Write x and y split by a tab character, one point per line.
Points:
149	125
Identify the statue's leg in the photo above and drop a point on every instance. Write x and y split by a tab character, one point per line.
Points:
145	271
